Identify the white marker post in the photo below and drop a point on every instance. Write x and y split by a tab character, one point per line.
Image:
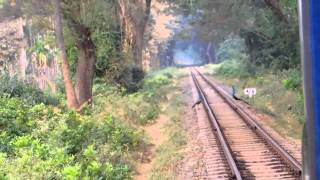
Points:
251	92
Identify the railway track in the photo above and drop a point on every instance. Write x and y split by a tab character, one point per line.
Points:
246	148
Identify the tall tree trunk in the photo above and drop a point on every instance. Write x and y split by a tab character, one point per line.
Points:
276	8
211	54
71	96
249	41
121	11
135	16
85	67
139	44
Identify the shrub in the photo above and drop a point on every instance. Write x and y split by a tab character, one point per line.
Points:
230	49
41	143
156	81
293	79
29	93
141	108
128	77
121	137
234	69
15	117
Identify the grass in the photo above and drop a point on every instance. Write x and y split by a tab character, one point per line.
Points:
160	95
169	154
139	108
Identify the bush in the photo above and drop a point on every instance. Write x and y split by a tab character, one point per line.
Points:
231	49
235	69
29	93
141	108
156	81
39	142
14	119
128	77
293	79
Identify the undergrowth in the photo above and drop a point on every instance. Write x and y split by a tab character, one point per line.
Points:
40	142
43	140
169	154
141	107
27	92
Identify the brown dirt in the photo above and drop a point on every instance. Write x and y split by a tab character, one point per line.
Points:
157	137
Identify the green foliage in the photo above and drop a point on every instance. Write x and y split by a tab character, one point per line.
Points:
270	35
15	118
42	48
39	142
298	108
293	79
122	138
29	93
290	8
231	49
71	172
157	81
107	39
104	31
72	53
273	42
141	107
130	78
234	60
234	69
161	78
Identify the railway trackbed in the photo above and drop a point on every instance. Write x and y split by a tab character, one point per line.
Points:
246	149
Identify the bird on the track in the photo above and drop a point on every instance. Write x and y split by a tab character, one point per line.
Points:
199	100
233	93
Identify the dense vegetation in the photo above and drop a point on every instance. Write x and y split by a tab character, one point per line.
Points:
40	141
268	28
90	38
86	123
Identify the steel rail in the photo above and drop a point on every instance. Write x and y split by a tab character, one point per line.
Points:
292	162
214	123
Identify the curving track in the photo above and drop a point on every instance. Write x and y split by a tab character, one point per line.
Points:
244	146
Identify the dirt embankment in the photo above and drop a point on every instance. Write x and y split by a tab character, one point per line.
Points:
156	136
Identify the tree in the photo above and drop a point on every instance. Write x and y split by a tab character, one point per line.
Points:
81	20
85	26
70	92
134	16
269	27
75	14
276	8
